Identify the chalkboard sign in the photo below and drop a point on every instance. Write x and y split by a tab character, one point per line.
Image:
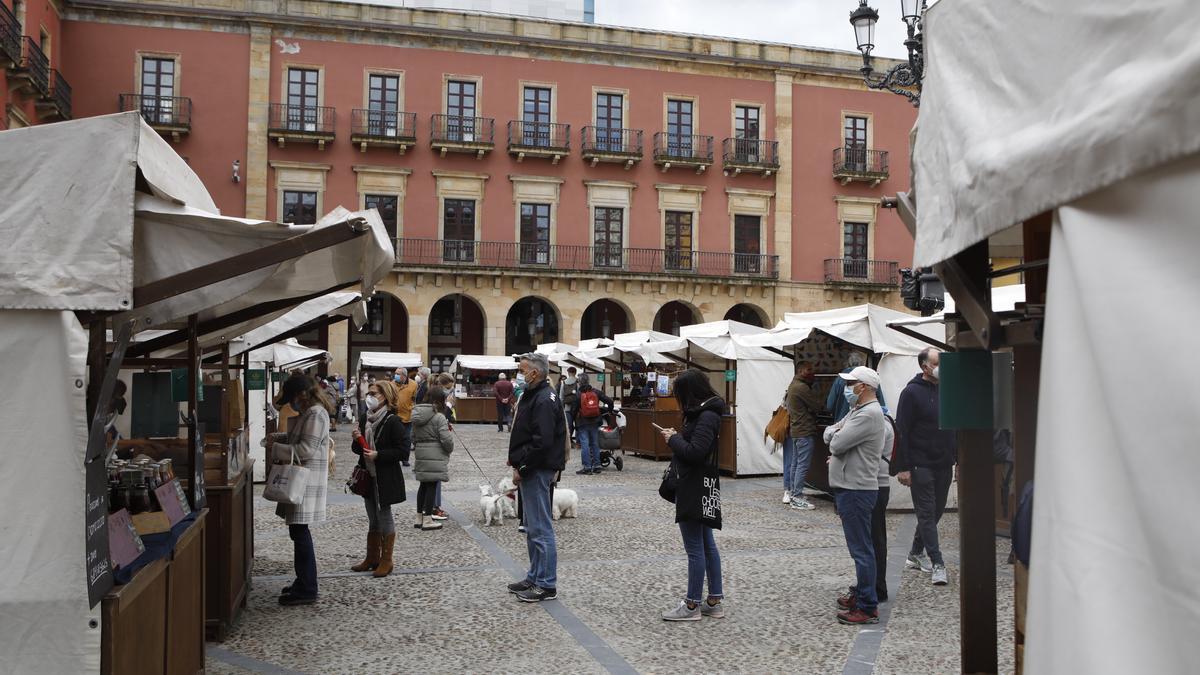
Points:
256	379
196	484
98	568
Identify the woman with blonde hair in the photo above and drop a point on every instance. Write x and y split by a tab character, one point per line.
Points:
379	450
307	443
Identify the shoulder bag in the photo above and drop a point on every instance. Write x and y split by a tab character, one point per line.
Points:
287	483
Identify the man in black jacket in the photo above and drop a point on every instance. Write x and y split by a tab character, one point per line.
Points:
537	452
925	458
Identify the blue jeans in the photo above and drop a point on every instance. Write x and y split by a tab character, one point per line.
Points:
304	560
789	460
589	443
855	507
802	450
703	560
539	529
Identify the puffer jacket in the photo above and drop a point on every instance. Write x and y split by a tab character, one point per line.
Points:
434	443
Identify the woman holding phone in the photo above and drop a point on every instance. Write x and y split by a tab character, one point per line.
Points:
379	450
693	455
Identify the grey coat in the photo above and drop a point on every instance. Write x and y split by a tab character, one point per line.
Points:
308	439
856	446
434	442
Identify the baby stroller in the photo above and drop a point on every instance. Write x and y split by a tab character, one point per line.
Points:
610	440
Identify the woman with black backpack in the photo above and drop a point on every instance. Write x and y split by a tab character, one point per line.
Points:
697	492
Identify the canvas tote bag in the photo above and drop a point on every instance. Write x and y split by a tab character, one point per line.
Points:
287	483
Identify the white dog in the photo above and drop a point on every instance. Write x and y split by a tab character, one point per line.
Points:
566	501
508	505
489	506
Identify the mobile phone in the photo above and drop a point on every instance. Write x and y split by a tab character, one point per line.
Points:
657	427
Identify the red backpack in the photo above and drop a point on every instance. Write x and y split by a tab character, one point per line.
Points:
589	404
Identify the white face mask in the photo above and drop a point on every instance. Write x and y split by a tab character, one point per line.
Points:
934	372
372	402
520	378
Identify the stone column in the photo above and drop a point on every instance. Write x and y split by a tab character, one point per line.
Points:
339	348
256	129
783	178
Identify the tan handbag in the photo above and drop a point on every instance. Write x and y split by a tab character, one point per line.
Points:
777	428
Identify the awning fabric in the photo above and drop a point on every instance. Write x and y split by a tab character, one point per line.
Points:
302	314
473	362
387	360
1030	105
289	354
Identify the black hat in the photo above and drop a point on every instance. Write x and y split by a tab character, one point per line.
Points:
296	383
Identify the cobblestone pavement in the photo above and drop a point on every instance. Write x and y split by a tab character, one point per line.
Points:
621	562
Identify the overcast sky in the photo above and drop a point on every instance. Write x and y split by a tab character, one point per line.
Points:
811	23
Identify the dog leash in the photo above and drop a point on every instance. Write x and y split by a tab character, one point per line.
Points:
468	449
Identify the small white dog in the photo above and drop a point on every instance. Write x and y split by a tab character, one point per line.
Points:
489	506
566	501
508	490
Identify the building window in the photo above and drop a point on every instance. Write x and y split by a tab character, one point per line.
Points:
745	132
855	250
609	236
679	127
442	318
747	244
610	118
375	317
535	234
383	102
387	205
458	230
460	110
679	240
535	117
856	143
299	208
19	15
303	98
158	90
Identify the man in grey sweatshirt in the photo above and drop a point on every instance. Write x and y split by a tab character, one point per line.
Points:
855	448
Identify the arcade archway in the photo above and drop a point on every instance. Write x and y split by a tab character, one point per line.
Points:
604	319
456	326
675	315
531	321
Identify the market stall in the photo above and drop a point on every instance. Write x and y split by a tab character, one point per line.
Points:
130	241
474	400
384	364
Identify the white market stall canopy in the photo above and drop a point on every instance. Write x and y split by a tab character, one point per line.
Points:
388	361
333	304
289	355
473	362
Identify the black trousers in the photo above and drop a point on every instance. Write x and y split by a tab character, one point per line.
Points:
405	453
930	489
879	540
426	496
304	561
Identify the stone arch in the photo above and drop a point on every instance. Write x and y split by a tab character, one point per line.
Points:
746	312
457	325
674	315
531	321
606	313
386	329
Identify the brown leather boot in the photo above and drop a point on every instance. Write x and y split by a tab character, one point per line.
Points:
372	560
385	555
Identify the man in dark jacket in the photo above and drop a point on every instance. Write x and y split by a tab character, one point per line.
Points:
925	458
587	428
503	390
803	405
537	452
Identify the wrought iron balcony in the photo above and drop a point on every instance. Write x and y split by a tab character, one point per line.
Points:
604	259
304	124
454	133
750	155
10	37
57	103
601	144
688	150
32	68
384	128
860	164
539	139
165	114
862	272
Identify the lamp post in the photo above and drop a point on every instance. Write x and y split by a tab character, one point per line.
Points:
905	78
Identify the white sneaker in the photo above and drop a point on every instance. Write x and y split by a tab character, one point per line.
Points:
939	576
918	562
787	496
802	504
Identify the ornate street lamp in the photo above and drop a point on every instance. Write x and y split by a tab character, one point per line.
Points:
903	79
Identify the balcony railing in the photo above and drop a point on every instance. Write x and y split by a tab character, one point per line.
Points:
559	257
860	164
58	102
539	137
447	129
10	36
859	271
688	149
604	141
286	118
383	125
170	114
750	154
34	65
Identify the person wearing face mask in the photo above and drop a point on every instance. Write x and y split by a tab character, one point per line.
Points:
404	406
925	459
379	452
835	403
856	449
803	405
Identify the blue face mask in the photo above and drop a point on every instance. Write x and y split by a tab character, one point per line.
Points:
396	378
851	397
